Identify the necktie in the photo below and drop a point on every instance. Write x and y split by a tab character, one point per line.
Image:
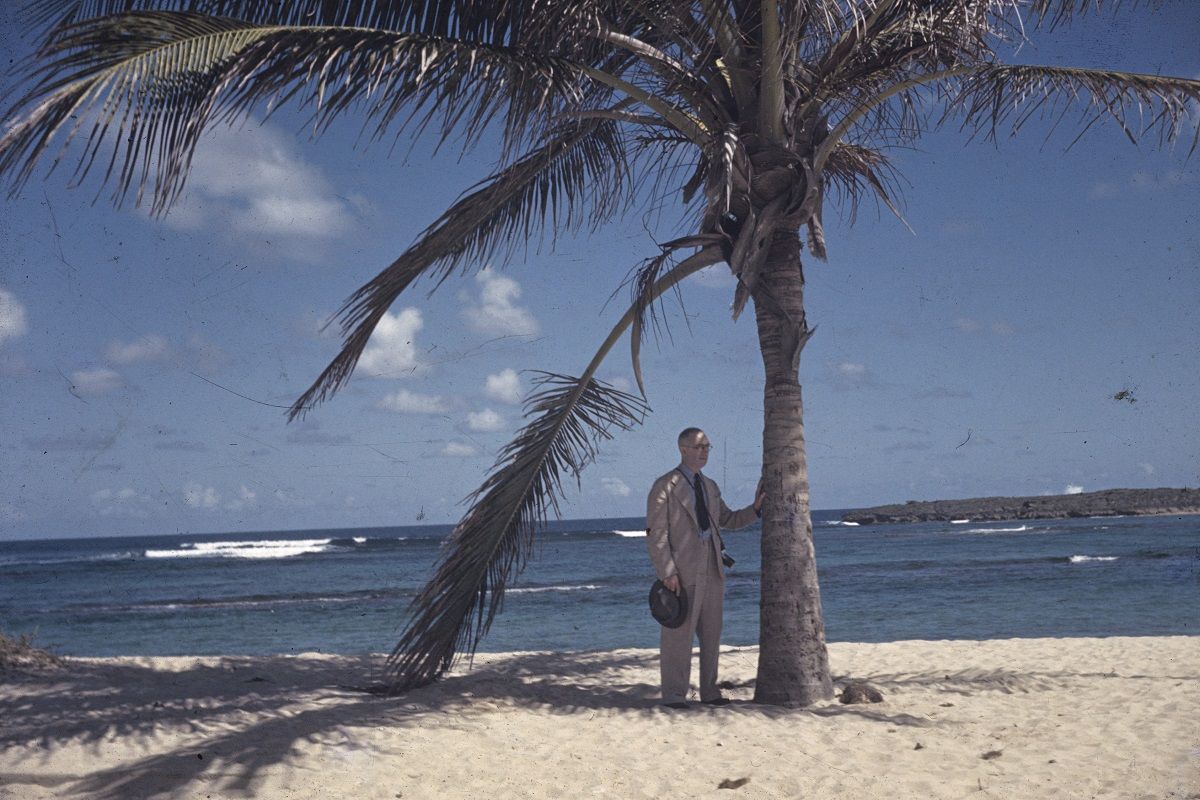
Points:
701	506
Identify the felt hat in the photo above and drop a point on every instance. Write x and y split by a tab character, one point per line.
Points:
667	607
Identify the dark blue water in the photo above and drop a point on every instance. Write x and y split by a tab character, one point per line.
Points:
347	591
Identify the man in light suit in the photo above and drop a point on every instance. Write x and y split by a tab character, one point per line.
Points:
684	519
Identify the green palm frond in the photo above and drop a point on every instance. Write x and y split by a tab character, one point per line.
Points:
490	546
576	176
992	97
149	83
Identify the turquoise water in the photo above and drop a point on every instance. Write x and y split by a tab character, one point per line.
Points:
347	591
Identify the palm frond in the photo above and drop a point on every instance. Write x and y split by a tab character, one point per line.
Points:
490	546
150	82
579	169
992	97
854	169
645	285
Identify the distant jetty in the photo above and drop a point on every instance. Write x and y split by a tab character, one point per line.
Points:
1108	503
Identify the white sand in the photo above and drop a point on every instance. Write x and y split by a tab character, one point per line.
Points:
1032	718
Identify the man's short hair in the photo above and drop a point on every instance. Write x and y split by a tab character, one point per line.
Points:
687	433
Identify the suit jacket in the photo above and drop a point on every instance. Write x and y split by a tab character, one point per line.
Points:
672	532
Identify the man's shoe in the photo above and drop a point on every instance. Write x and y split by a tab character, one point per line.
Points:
679	705
717	701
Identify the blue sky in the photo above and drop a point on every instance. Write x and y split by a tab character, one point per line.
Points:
144	361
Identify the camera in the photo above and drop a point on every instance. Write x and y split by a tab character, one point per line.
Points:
727	559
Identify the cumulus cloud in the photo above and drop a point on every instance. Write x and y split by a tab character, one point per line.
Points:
1141	182
98	381
616	487
486	420
497	312
406	402
966	324
12	316
504	386
392	350
254	184
458	450
121	502
246	497
1073	489
197	496
849	375
151	347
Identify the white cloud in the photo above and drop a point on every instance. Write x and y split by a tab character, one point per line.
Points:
392	350
458	450
504	386
497	313
620	383
12	316
246	497
198	496
254	183
616	487
406	402
1142	182
100	380
151	347
853	371
1073	489
486	420
849	375
121	502
966	324
1147	467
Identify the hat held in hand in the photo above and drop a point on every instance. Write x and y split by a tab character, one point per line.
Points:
667	607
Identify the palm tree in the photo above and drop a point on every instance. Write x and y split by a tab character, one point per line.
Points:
771	109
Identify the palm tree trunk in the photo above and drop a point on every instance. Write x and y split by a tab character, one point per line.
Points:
793	666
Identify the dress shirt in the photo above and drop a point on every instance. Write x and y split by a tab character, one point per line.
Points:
691	479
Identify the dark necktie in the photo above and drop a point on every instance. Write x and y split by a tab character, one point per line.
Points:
701	506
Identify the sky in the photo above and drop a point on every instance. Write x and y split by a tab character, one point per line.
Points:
1030	328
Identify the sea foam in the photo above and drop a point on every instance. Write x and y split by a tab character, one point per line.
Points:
267	548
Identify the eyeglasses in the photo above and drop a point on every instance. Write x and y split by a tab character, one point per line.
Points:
704	447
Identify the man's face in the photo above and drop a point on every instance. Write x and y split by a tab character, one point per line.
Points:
694	451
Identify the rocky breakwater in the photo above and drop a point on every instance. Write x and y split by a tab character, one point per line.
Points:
1107	503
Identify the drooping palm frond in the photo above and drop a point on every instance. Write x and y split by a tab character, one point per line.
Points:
579	170
854	169
646	290
992	97
492	543
489	547
149	83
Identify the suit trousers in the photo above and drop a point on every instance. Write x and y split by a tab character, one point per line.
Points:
706	600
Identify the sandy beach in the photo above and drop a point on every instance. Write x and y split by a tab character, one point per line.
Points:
1017	718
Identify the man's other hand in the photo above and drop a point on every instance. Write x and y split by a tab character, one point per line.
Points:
759	496
672	583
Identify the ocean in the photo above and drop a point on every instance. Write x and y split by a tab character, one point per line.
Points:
348	591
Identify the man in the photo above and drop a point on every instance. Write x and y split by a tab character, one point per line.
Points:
684	519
